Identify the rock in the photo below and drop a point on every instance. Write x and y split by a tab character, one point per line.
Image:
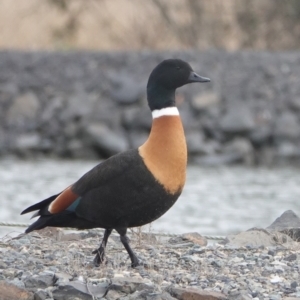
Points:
236	271
202	101
295	103
137	138
275	279
104	140
62	277
137	118
12	292
218	159
129	285
52	97
17	282
195	142
126	90
51	232
52	108
288	223
80	289
261	136
40	295
39	281
254	238
287	149
23	111
145	294
242	148
165	296
8	92
243	296
79	105
71	236
287	220
72	129
291	257
238	119
78	150
29	141
287	126
2	141
69	292
195	237
195	294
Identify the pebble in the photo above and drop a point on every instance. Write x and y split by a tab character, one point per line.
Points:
61	268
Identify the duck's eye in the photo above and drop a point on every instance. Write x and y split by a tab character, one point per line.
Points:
178	68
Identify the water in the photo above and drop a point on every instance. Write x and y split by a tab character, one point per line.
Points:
216	201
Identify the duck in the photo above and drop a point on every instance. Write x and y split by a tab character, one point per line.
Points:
135	187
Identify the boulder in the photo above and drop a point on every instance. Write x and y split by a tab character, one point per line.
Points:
137	118
295	103
195	294
218	159
40	295
68	292
130	285
79	105
137	138
288	223
238	119
23	111
195	238
287	220
2	141
12	292
53	107
202	101
39	281
255	238
288	150
126	90
74	290
104	140
147	295
196	143
242	148
287	126
261	136
27	141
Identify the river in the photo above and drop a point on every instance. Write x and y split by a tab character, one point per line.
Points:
215	201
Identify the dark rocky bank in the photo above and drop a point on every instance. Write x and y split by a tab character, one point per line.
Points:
51	264
91	105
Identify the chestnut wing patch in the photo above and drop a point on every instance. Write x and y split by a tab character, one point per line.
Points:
63	201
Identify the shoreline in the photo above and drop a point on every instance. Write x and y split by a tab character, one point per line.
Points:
55	264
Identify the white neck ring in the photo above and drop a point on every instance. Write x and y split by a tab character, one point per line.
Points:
167	111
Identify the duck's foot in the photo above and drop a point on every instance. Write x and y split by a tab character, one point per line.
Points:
100	255
100	252
135	262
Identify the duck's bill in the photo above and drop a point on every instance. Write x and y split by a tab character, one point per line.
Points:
194	77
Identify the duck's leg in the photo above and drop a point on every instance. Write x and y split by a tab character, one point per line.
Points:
101	250
125	241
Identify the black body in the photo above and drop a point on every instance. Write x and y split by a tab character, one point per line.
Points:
129	196
116	194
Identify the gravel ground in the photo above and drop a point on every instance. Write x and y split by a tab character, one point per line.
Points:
56	264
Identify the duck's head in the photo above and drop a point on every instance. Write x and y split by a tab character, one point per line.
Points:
166	77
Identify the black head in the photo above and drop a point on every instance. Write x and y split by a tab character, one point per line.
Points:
166	78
